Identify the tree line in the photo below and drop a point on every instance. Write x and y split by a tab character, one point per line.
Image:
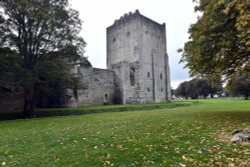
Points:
197	88
201	88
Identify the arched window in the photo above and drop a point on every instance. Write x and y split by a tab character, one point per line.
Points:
132	76
105	99
161	76
128	34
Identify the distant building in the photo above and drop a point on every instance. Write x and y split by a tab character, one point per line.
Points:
137	65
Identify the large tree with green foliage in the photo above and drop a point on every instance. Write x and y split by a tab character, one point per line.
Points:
38	32
239	83
219	42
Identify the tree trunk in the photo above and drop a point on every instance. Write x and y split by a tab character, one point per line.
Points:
246	96
28	109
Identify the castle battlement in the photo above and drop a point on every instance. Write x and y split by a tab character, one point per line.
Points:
124	19
128	17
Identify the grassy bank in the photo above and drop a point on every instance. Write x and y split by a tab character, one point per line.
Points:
49	112
111	108
196	135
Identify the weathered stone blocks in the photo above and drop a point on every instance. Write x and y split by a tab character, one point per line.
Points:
137	62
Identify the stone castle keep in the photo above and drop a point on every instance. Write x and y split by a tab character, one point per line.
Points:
137	65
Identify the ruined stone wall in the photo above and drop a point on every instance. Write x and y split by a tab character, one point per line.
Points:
126	88
99	86
137	61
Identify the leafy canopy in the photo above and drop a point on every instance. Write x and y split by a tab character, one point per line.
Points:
38	27
219	42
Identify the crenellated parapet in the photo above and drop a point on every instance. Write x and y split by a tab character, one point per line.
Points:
135	16
126	17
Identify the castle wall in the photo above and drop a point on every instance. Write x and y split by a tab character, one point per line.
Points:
123	40
153	60
137	62
99	86
138	44
138	68
128	92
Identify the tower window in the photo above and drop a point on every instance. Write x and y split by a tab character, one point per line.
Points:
132	76
114	39
161	76
128	34
148	74
148	89
146	32
161	89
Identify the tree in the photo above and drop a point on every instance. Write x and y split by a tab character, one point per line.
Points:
55	78
219	42
37	29
182	89
202	87
239	84
196	88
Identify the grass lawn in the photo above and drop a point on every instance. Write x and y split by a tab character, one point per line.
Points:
197	135
17	113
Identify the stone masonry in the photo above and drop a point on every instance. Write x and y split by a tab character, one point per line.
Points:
137	65
136	52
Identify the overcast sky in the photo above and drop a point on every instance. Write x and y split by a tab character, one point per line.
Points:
97	15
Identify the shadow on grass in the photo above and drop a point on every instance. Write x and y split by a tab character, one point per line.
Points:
95	109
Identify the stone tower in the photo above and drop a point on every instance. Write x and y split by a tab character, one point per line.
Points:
137	53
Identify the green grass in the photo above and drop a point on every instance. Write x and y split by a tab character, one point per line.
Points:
110	108
17	113
196	135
